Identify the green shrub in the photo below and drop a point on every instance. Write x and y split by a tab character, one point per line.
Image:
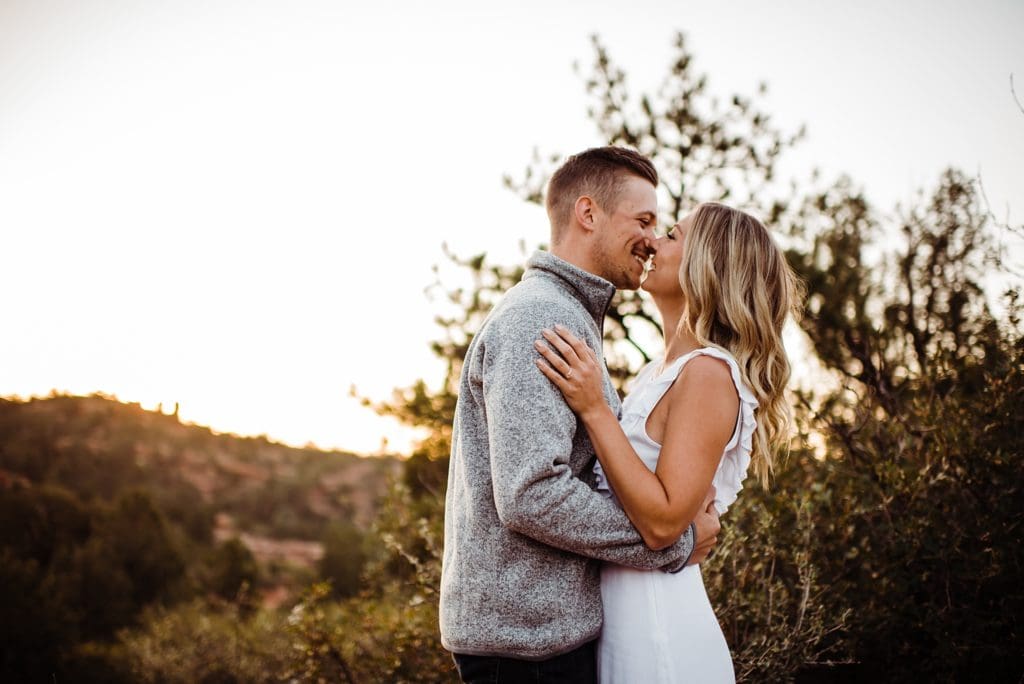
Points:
199	642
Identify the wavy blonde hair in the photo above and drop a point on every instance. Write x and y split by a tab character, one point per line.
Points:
739	290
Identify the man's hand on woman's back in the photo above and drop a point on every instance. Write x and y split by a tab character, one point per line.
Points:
708	528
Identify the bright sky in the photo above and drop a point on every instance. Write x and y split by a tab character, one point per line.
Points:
236	205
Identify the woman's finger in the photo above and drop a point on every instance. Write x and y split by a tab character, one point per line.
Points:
561	345
553	357
552	375
578	345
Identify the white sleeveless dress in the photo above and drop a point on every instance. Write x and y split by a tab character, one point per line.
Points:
660	627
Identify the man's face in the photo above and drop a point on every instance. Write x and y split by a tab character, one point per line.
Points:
624	234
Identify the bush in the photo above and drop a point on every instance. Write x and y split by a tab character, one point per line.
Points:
232	568
389	632
343	559
200	642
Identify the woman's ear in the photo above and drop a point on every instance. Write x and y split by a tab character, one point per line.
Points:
585	211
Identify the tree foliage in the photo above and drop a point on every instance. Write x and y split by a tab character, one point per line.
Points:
104	523
887	546
704	147
389	632
344	558
921	437
232	569
75	571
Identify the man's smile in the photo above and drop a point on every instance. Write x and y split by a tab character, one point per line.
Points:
642	252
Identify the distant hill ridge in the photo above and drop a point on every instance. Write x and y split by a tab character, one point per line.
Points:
99	447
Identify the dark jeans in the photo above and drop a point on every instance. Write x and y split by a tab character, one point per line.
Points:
575	667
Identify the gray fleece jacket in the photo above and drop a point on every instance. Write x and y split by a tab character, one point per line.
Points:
524	530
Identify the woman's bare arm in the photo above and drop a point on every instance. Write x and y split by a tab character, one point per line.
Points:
702	406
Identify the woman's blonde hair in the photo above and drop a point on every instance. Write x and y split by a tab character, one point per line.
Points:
739	290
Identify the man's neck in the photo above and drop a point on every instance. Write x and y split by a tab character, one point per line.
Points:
576	256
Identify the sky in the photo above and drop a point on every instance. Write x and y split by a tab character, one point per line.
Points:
236	205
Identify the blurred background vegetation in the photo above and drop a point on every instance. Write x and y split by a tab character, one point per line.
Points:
135	548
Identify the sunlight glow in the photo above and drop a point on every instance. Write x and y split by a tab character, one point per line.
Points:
236	205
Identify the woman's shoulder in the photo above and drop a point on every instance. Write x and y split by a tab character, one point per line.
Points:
704	379
714	371
707	365
715	367
690	367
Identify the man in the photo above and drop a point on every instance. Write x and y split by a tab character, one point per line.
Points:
524	530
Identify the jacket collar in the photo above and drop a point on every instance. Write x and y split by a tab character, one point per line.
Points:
594	292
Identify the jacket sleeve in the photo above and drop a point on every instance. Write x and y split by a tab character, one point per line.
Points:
530	432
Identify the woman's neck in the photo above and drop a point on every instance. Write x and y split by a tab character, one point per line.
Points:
678	340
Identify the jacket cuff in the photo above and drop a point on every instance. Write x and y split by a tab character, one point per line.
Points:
693	547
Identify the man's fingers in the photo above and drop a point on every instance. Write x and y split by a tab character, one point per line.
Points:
709	497
707	528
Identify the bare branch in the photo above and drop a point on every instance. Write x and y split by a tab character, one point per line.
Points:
1004	226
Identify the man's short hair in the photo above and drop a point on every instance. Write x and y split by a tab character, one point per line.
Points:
598	172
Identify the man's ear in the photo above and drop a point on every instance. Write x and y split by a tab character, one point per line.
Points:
585	211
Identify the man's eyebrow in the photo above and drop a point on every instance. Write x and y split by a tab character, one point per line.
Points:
647	214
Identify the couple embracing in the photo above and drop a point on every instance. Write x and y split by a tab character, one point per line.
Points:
562	568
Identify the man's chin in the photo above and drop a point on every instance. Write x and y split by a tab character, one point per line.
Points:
628	281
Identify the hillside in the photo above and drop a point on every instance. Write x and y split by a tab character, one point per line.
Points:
213	486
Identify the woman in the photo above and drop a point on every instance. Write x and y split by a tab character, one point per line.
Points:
723	290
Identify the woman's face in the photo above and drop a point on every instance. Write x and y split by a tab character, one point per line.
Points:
663	275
